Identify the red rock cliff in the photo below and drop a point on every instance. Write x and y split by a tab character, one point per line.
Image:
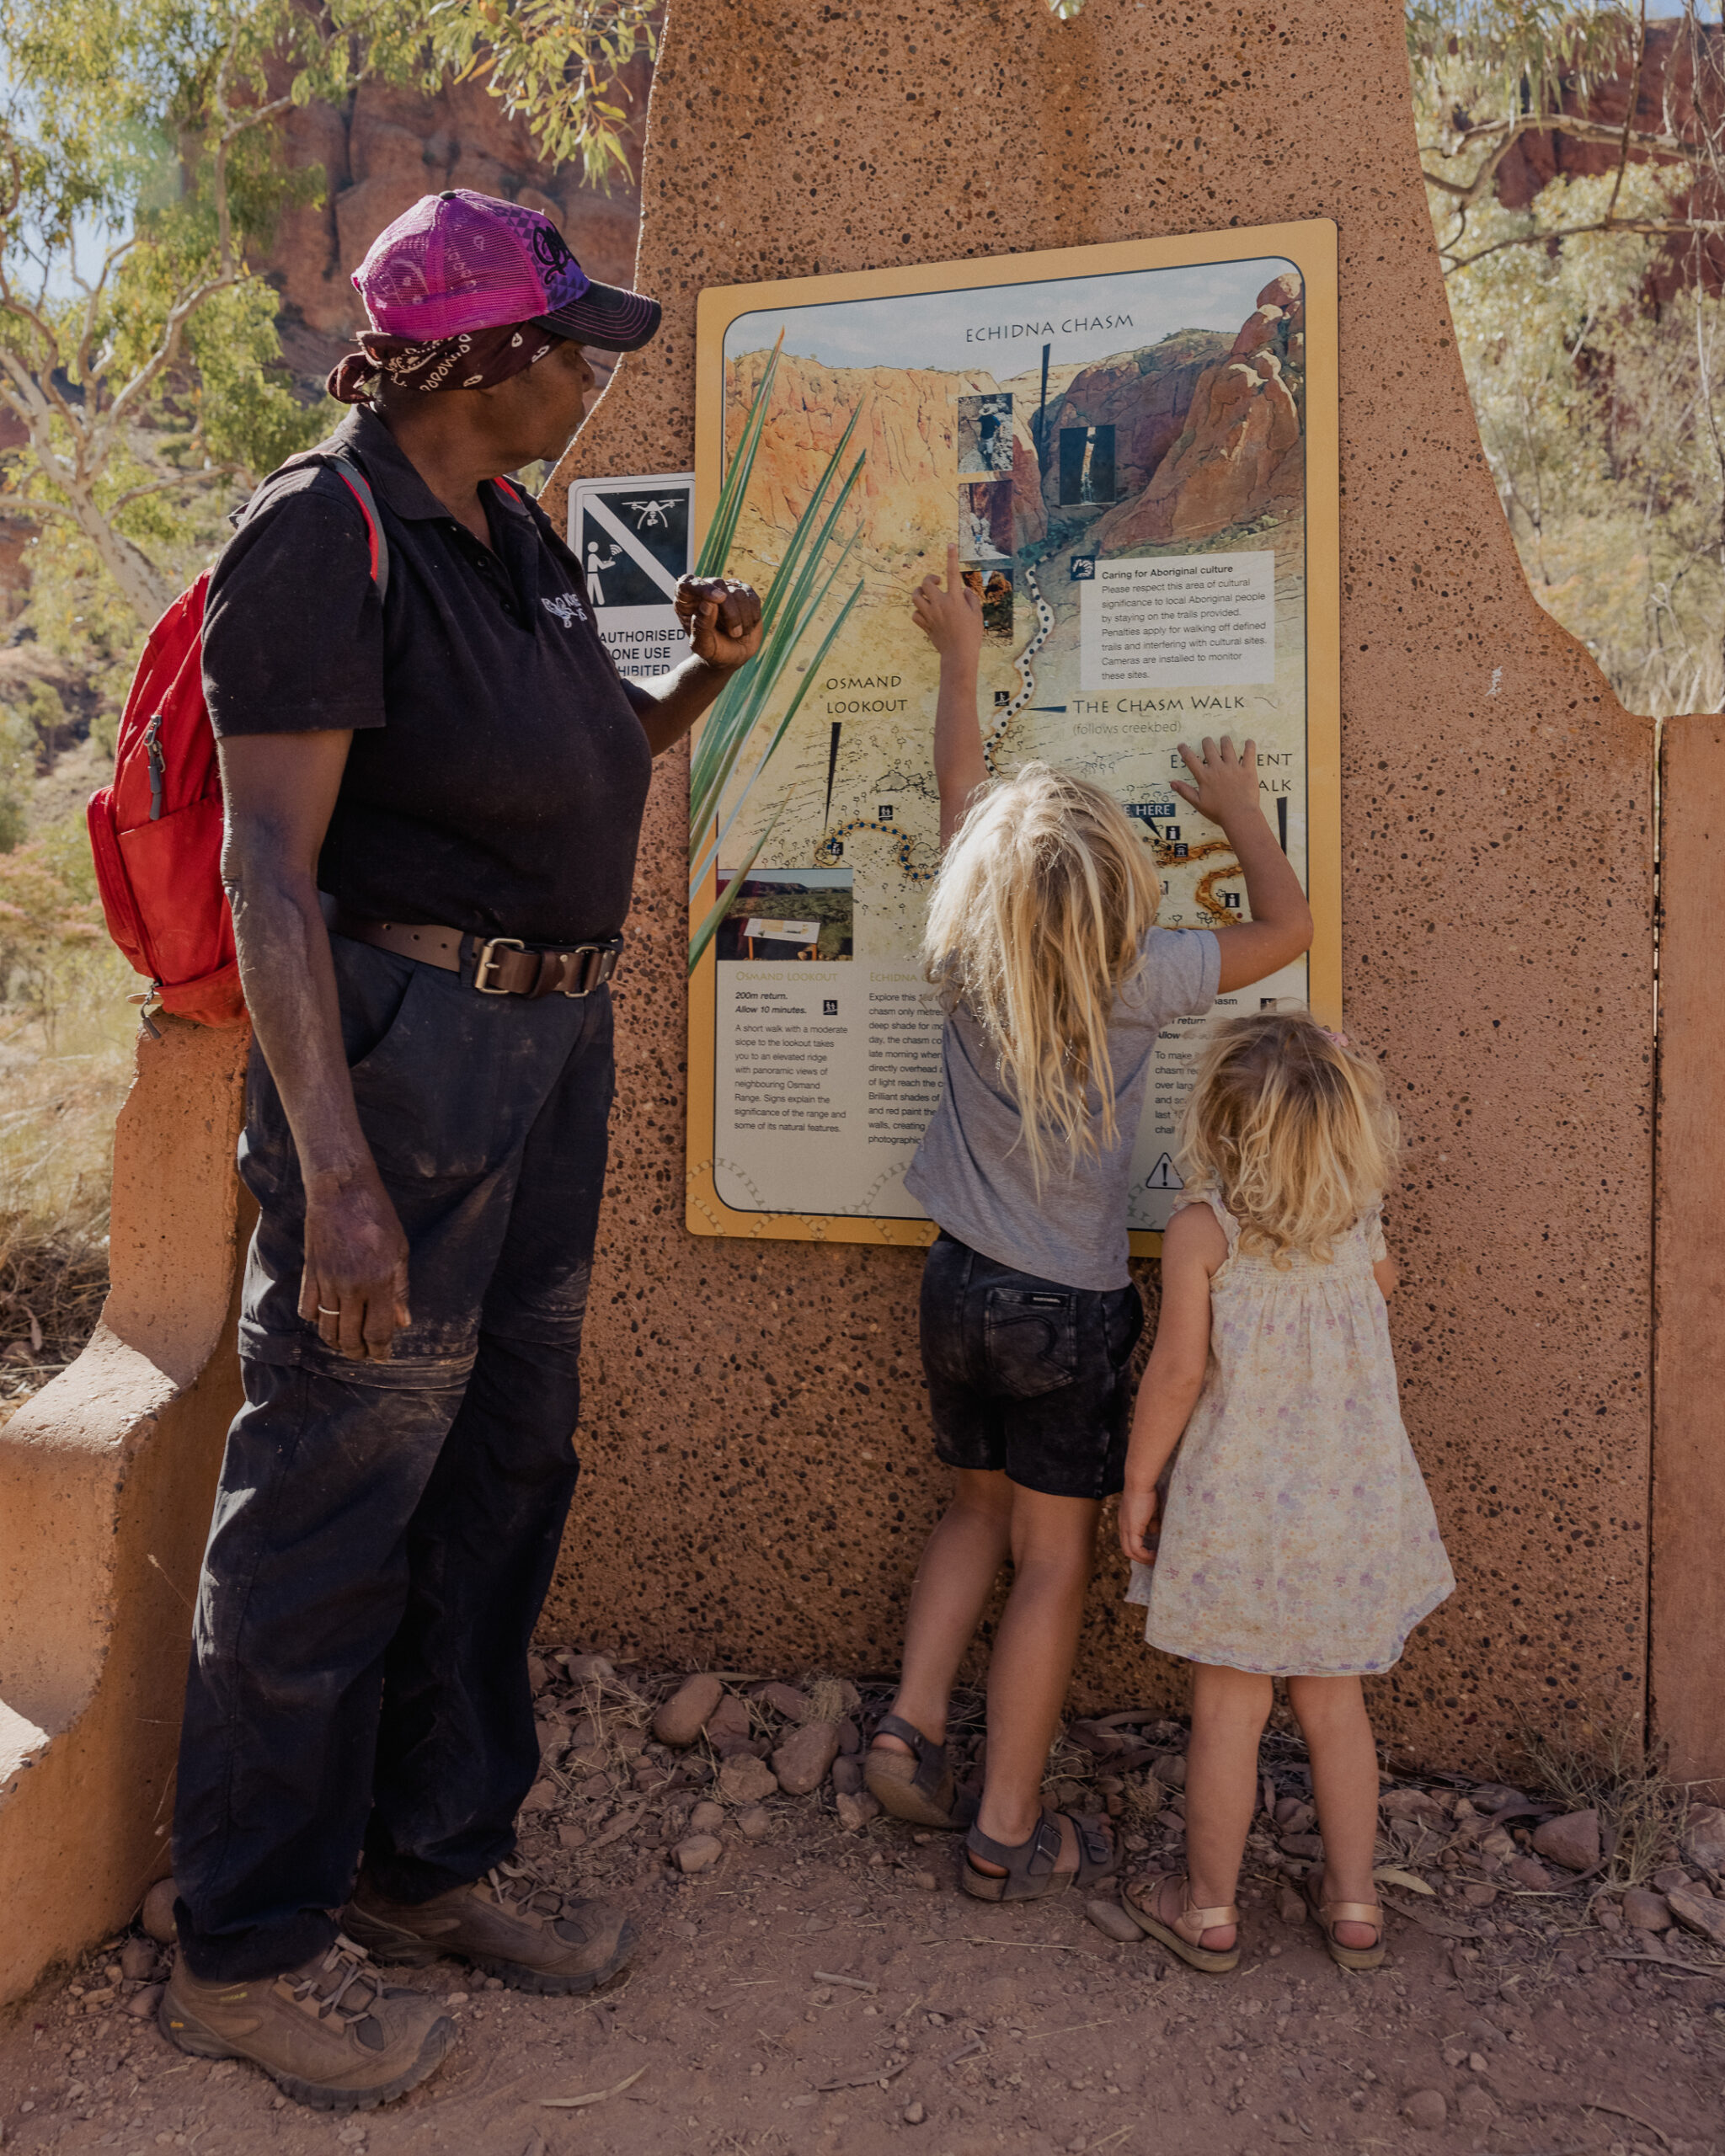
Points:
386	147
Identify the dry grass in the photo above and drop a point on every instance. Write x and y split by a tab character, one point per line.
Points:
62	1081
829	1697
1613	1772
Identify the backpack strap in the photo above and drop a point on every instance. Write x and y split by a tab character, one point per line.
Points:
348	469
360	488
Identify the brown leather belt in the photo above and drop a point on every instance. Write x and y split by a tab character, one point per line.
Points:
503	965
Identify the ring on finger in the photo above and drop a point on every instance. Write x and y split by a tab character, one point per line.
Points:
323	1312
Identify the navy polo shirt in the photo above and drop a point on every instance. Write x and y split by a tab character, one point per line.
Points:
498	772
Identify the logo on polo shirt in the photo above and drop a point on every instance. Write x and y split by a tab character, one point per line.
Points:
567	608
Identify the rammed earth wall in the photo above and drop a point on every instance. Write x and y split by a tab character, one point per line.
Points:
759	1477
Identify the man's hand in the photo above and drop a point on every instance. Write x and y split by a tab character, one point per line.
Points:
1225	786
354	1285
1137	1516
721	618
951	615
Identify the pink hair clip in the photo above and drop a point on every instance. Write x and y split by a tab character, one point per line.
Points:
1340	1039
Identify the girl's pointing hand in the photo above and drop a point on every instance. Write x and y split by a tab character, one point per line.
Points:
949	615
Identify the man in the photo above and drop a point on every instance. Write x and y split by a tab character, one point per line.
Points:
434	779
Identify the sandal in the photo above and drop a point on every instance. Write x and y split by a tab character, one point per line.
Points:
1185	1935
1030	1866
920	1790
1329	1914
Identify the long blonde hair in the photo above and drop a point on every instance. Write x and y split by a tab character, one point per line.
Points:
1290	1125
1041	903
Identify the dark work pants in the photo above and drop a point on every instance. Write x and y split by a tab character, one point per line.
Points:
384	1534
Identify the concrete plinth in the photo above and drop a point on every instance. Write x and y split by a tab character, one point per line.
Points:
105	1484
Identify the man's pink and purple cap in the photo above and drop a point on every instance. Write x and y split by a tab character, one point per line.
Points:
460	262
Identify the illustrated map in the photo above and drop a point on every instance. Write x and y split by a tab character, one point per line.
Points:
1120	462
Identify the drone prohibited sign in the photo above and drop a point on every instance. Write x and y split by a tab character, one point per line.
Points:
632	537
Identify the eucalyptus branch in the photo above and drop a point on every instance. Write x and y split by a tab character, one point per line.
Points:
168	347
204	472
1667	142
87	335
23	393
256	116
34	319
1649	227
218	100
1641	53
1505	134
28	505
33	387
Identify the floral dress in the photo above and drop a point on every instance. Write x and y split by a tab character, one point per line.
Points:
1297	1538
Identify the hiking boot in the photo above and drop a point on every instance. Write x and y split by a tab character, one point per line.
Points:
532	1937
330	2033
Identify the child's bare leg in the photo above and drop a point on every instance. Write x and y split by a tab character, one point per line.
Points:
1344	1784
1053	1544
960	1564
1229	1710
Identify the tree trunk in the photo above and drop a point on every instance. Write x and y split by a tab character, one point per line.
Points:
136	578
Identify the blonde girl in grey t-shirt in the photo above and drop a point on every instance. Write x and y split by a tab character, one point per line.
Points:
1042	936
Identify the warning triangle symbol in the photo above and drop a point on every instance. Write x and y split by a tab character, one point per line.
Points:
1163	1176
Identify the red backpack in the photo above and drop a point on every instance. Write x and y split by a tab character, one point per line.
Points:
156	831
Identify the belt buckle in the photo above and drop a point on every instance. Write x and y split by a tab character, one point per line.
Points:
487	962
591	975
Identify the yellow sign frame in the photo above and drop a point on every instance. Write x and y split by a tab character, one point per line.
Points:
1311	246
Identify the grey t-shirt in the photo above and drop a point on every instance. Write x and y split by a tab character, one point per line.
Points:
974	1177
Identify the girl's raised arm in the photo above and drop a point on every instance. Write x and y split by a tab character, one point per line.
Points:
951	617
1224	787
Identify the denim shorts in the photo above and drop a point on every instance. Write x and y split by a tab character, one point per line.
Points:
1026	1376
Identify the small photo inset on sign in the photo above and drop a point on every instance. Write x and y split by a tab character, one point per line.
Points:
993	586
985	519
803	914
1087	465
985	434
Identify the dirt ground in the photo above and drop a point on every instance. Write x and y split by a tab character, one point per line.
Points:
822	1990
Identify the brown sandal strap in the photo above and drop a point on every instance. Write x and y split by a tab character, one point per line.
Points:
930	1758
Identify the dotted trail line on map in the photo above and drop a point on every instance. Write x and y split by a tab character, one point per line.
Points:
827	851
1207	896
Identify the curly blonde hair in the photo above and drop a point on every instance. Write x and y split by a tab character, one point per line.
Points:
1045	894
1291	1126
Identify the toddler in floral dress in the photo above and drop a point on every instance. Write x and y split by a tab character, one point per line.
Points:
1297	1539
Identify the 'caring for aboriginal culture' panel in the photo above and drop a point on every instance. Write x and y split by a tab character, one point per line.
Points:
1134	449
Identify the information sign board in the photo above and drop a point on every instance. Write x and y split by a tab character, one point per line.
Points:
1135	447
632	539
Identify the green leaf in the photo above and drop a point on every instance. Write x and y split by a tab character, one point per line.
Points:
795	602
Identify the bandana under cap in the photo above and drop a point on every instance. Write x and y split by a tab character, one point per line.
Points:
474	359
